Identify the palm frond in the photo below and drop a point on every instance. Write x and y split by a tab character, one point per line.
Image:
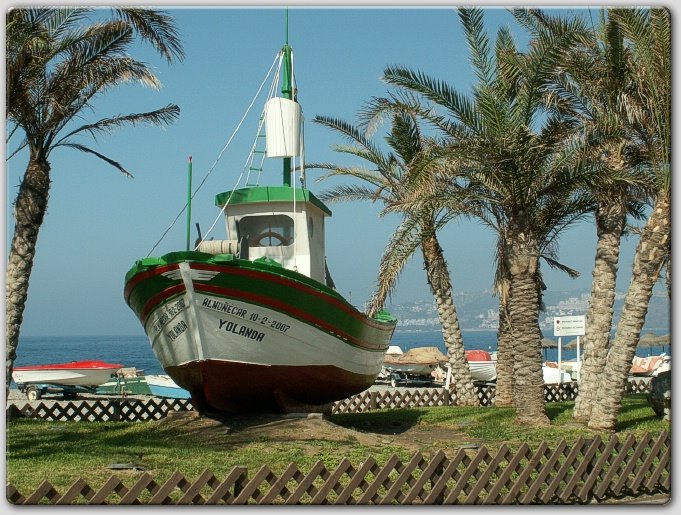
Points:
472	20
363	174
56	66
372	153
351	193
405	137
397	253
571	272
156	27
461	107
83	148
163	116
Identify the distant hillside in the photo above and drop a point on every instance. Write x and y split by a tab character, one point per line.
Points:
479	310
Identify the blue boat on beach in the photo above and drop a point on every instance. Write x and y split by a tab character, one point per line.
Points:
164	386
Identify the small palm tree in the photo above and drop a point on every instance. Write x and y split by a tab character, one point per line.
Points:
414	161
646	106
524	181
55	67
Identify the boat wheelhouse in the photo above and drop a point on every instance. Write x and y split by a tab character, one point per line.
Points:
278	223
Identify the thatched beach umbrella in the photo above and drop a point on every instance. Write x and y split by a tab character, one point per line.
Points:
548	343
571	344
654	340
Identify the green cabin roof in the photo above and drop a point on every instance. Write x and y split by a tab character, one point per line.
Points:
269	194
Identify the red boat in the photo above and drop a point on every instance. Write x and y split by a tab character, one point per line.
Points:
88	374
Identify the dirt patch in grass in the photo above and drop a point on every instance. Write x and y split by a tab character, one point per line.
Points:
302	428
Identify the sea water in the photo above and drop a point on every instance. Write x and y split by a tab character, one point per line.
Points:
135	351
129	351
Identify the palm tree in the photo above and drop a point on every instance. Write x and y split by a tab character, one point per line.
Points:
55	67
646	102
588	87
414	161
522	177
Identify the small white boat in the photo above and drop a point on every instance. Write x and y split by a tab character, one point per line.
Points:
664	366
483	370
482	365
76	373
163	386
649	366
552	375
417	361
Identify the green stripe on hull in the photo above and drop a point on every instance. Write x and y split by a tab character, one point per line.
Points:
264	264
305	294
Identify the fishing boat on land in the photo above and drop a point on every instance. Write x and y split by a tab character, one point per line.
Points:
88	374
254	322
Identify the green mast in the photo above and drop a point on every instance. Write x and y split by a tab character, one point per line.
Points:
189	203
287	92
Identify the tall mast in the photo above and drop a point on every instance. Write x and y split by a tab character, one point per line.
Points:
189	202
287	92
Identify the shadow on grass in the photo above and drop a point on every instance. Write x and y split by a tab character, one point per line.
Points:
557	411
636	413
387	422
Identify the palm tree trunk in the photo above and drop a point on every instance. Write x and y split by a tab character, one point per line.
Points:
503	396
440	285
610	221
668	271
29	211
523	265
651	253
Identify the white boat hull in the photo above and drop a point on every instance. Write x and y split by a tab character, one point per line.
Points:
483	370
201	333
63	377
554	376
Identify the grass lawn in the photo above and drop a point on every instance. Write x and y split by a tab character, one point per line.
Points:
61	452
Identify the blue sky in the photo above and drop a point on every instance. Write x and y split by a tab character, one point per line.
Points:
100	222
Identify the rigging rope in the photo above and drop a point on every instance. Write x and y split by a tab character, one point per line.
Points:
251	156
222	211
210	170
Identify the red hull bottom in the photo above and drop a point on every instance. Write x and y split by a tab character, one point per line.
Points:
242	388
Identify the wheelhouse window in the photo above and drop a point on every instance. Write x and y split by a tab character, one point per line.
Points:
267	231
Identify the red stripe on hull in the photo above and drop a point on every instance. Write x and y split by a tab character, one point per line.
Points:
74	365
159	298
141	276
254	274
288	310
241	387
290	283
